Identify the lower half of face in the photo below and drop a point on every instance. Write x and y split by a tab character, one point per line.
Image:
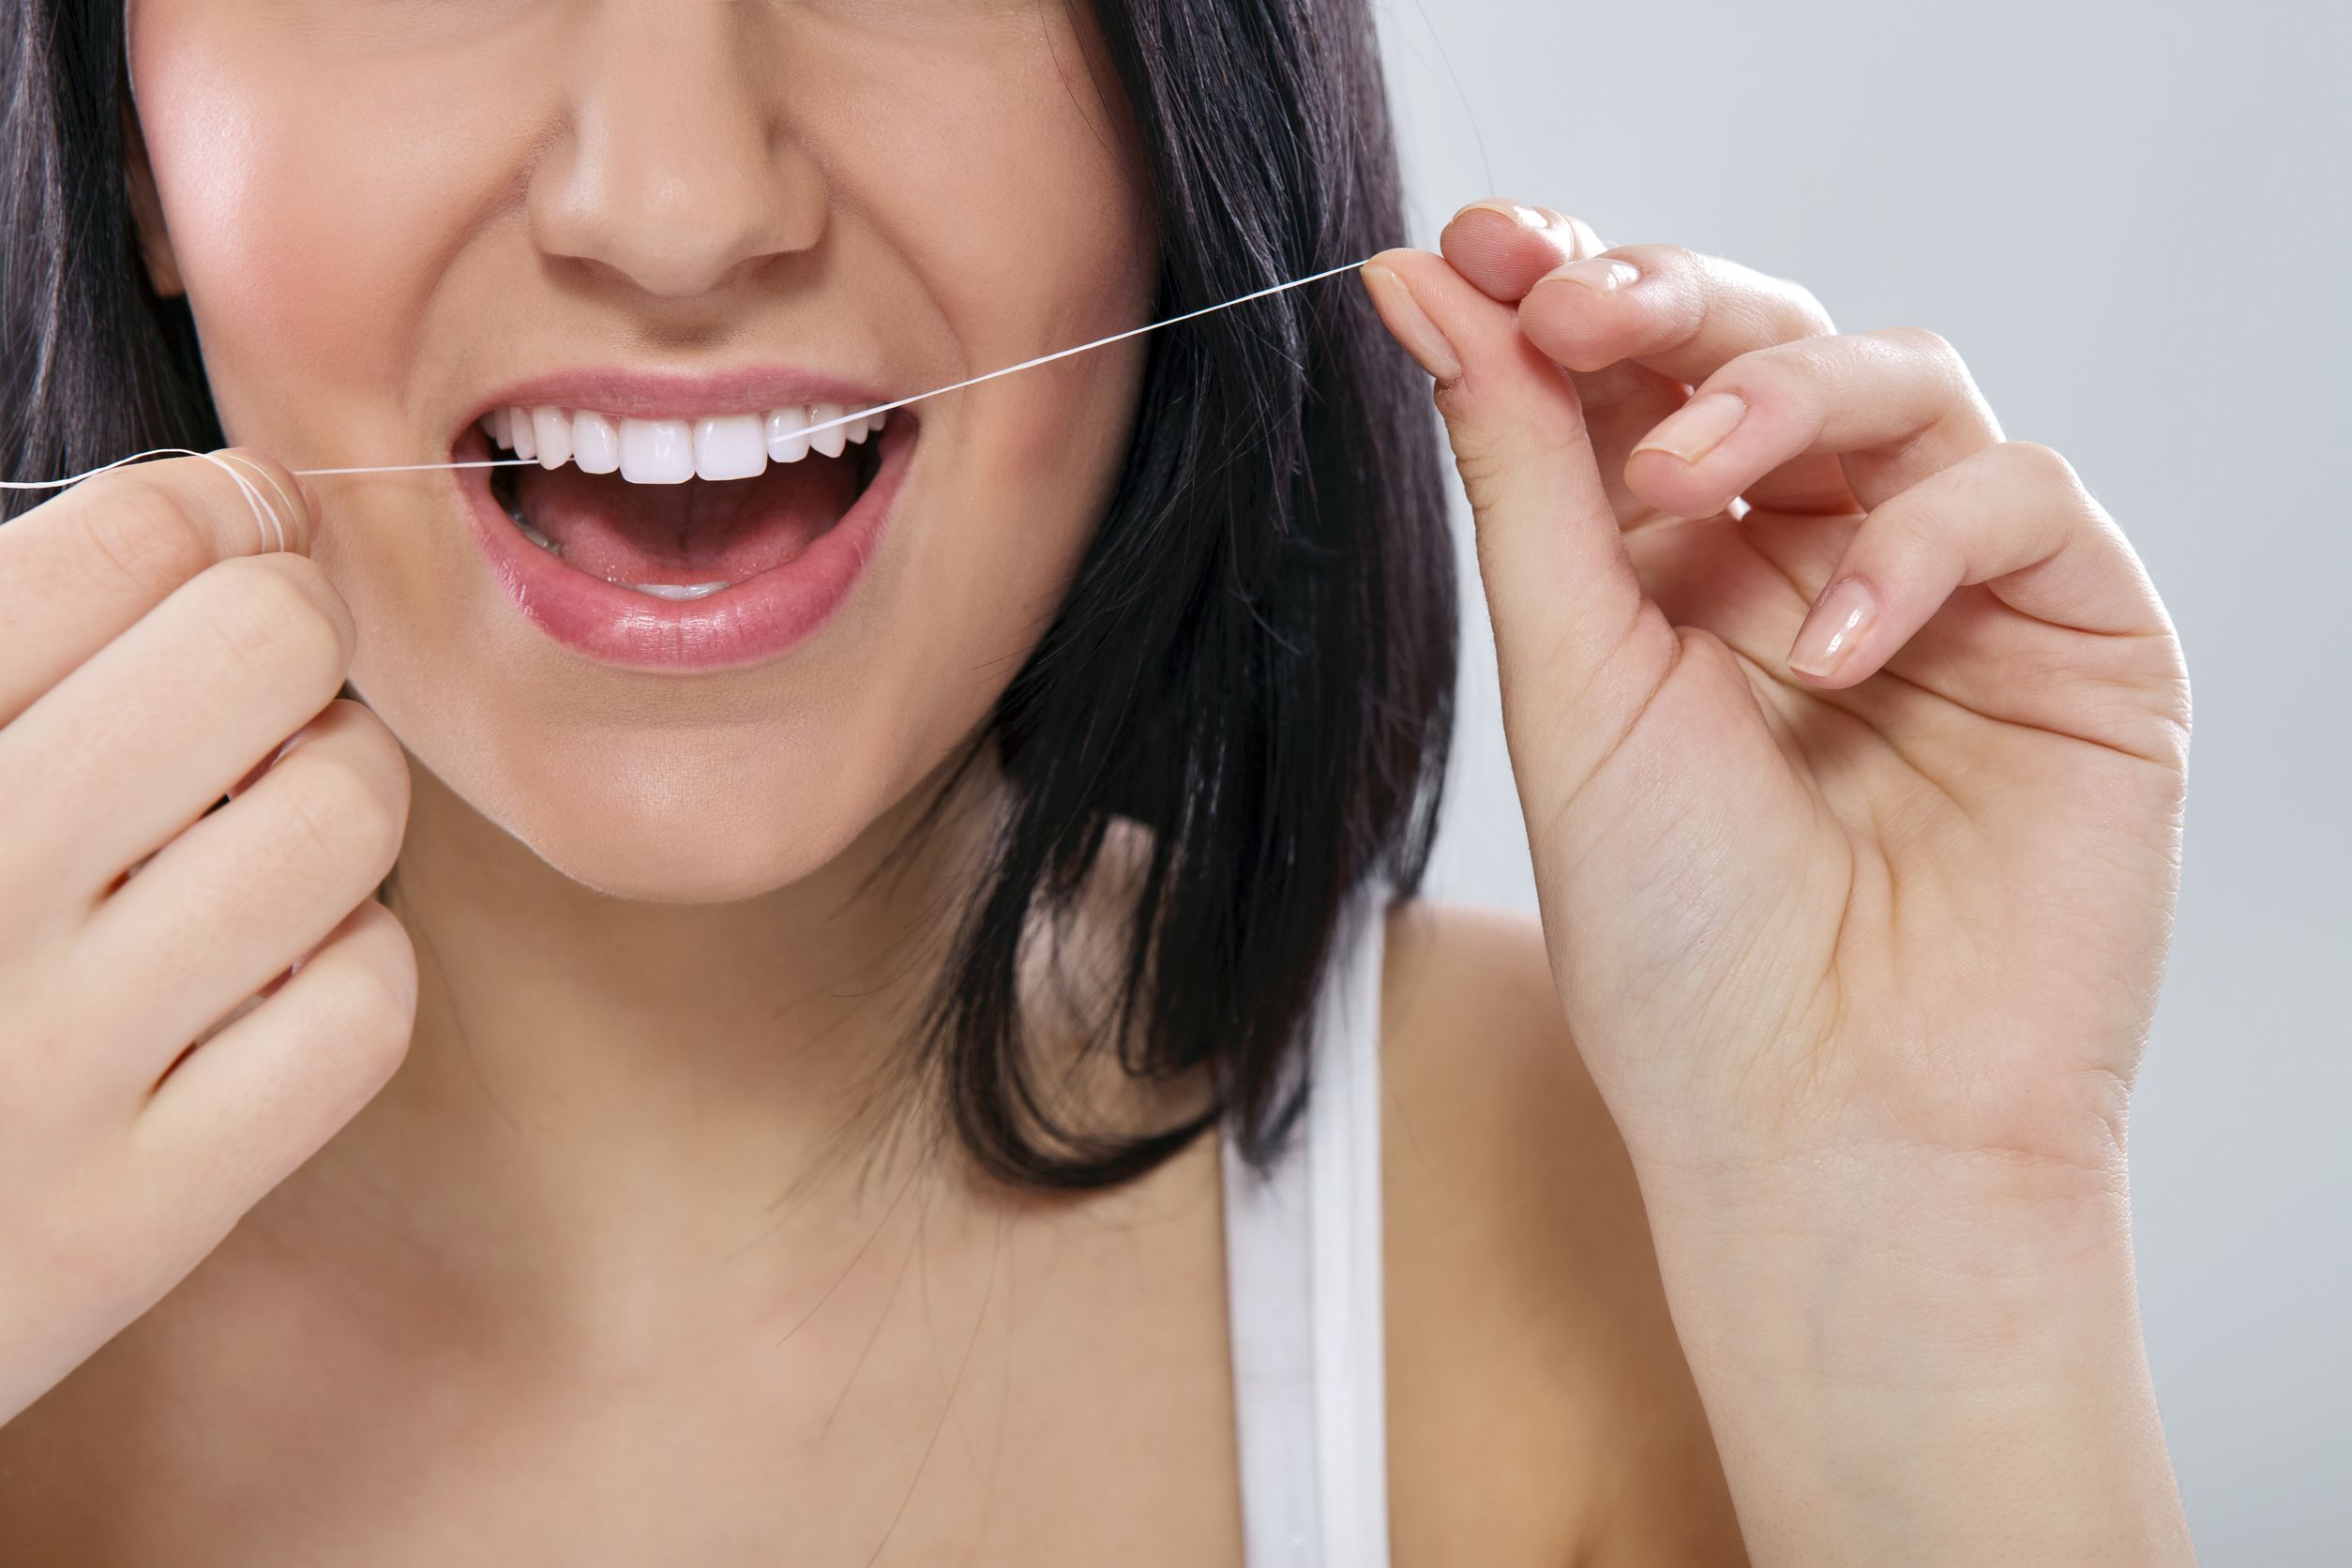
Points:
683	646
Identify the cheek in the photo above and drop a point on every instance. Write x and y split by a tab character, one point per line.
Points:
1018	195
332	225
1003	180
1012	197
312	201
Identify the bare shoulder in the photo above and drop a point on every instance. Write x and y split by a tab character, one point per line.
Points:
1540	1410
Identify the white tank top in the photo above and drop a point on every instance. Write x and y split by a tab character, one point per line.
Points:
1303	1293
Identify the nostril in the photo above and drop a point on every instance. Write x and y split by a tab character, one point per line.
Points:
677	207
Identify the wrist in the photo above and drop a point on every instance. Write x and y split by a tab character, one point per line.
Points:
1919	1361
1899	1260
1909	1256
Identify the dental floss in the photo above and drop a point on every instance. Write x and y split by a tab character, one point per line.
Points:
271	524
266	517
936	392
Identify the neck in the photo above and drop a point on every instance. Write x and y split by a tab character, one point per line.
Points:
602	1090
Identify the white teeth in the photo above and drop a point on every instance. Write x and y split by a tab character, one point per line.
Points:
551	428
729	448
656	451
536	537
832	443
595	442
672	451
788	434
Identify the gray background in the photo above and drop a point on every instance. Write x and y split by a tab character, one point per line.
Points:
2132	219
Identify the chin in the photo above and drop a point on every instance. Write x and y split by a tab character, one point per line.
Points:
674	822
656	858
649	880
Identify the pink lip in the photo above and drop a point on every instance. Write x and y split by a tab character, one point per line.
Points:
753	621
666	395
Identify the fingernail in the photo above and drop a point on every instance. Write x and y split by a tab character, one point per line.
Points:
1413	327
1512	212
1601	274
1832	627
1697	427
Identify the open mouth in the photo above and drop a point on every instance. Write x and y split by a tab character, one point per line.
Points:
681	508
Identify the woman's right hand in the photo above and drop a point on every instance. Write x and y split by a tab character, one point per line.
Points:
160	1071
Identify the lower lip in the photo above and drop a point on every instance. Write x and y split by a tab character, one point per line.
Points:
753	621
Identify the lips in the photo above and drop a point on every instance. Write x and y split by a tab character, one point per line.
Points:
742	570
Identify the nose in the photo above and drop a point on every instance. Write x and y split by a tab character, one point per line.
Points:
677	170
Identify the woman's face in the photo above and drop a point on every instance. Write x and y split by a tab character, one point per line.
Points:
672	227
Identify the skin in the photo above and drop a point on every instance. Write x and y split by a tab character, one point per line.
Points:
1787	1179
1857	918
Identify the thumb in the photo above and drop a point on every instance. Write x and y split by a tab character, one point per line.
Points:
1562	593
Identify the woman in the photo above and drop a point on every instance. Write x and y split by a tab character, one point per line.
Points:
791	998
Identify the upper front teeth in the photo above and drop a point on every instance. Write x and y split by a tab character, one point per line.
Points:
672	451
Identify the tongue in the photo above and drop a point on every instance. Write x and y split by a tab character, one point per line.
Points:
701	531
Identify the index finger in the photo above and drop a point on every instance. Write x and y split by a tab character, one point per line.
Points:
76	571
1505	247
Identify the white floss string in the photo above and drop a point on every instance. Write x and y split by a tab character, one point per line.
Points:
270	526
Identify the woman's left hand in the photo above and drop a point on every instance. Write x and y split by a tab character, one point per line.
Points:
1852	737
1852	740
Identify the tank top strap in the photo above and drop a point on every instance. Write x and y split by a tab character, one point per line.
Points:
1303	1291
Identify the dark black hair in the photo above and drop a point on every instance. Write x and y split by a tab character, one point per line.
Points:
1255	661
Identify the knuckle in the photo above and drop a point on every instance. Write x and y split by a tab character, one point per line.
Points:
1482	472
1914	534
145	535
378	749
344	808
369	1003
1761	305
1946	368
1666	258
1802	312
1772	370
1493	464
2044	472
1926	339
1934	349
1678	267
309	575
2042	465
273	622
1909	537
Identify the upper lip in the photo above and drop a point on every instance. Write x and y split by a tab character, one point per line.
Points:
676	395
